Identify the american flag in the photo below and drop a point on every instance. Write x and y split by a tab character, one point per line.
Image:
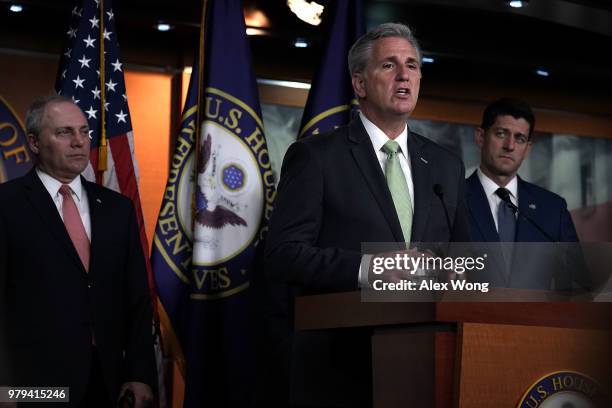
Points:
91	72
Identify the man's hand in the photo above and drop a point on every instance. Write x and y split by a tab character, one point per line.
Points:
404	268
143	396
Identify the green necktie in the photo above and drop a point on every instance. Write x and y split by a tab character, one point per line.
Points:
398	188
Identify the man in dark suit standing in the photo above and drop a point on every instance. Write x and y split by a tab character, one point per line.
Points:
370	181
505	138
74	304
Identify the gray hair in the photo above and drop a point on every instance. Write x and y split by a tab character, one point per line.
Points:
36	110
362	49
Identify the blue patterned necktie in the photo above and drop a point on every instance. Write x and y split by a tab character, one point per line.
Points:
506	222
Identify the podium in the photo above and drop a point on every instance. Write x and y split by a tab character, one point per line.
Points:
468	354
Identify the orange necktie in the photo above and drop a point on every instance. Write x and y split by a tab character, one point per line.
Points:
74	225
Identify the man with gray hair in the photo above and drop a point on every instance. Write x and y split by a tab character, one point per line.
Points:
373	180
74	303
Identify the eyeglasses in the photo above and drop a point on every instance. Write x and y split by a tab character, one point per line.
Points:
505	134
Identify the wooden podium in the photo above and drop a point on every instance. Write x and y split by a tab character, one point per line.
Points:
468	354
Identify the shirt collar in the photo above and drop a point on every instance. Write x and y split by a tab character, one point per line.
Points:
379	138
490	186
53	185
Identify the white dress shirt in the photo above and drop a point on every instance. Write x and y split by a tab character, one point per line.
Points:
78	195
490	187
378	139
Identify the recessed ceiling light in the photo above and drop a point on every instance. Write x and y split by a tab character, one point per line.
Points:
517	3
16	8
255	31
163	27
300	43
428	60
542	72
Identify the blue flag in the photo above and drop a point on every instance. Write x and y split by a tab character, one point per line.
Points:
15	159
172	243
210	228
331	100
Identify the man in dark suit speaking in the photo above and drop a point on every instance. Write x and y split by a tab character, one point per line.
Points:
505	139
74	304
371	181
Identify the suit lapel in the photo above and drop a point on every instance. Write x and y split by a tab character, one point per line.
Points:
368	164
420	167
480	213
95	207
527	206
39	197
479	209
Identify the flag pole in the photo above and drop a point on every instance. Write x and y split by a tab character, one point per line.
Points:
199	116
102	151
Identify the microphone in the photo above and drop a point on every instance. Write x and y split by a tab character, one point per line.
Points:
504	194
437	188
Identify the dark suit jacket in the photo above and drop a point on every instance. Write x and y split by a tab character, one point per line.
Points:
533	265
546	208
333	196
49	304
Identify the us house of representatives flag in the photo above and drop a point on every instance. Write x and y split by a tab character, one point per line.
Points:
172	244
331	100
15	159
91	72
214	216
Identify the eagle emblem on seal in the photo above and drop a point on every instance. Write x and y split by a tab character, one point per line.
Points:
208	213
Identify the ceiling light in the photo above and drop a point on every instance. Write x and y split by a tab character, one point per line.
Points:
517	3
255	31
300	43
16	8
307	11
286	84
542	72
428	60
256	18
163	27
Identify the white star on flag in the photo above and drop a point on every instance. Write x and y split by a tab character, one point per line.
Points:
110	15
121	116
96	93
94	22
91	113
110	85
106	34
89	42
116	65
78	82
67	53
84	62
